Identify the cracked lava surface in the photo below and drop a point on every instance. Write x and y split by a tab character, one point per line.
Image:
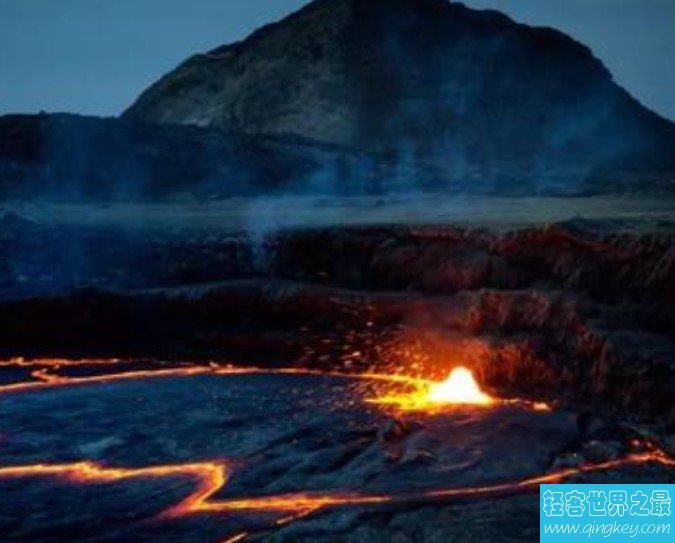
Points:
120	450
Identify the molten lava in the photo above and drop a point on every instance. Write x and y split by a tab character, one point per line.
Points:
210	477
460	388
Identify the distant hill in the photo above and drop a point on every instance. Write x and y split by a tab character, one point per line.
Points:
491	103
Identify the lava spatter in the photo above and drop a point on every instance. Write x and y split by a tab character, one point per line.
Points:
459	389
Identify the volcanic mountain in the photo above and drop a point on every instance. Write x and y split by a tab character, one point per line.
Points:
358	97
489	102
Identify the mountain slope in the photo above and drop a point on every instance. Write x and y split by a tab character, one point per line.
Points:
488	101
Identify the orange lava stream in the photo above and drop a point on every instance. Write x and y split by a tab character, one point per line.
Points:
46	377
312	501
58	362
236	538
211	477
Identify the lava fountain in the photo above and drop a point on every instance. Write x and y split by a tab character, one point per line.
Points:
460	388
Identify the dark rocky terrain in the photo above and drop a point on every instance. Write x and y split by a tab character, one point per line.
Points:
567	312
495	105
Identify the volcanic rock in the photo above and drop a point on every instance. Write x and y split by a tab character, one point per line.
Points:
394	430
669	444
600	451
567	316
493	104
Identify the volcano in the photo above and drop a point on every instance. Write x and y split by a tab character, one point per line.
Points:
490	103
354	97
259	308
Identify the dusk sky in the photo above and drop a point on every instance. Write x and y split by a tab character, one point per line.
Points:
96	56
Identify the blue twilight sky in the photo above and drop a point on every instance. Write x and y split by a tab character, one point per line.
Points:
95	56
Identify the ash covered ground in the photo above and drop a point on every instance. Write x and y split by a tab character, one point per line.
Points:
572	305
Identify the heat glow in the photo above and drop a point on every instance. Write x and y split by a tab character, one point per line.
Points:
460	388
211	477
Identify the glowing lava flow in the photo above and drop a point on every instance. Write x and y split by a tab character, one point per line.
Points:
314	502
46	374
57	362
212	476
43	378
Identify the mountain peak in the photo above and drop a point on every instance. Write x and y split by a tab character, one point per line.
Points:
471	91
